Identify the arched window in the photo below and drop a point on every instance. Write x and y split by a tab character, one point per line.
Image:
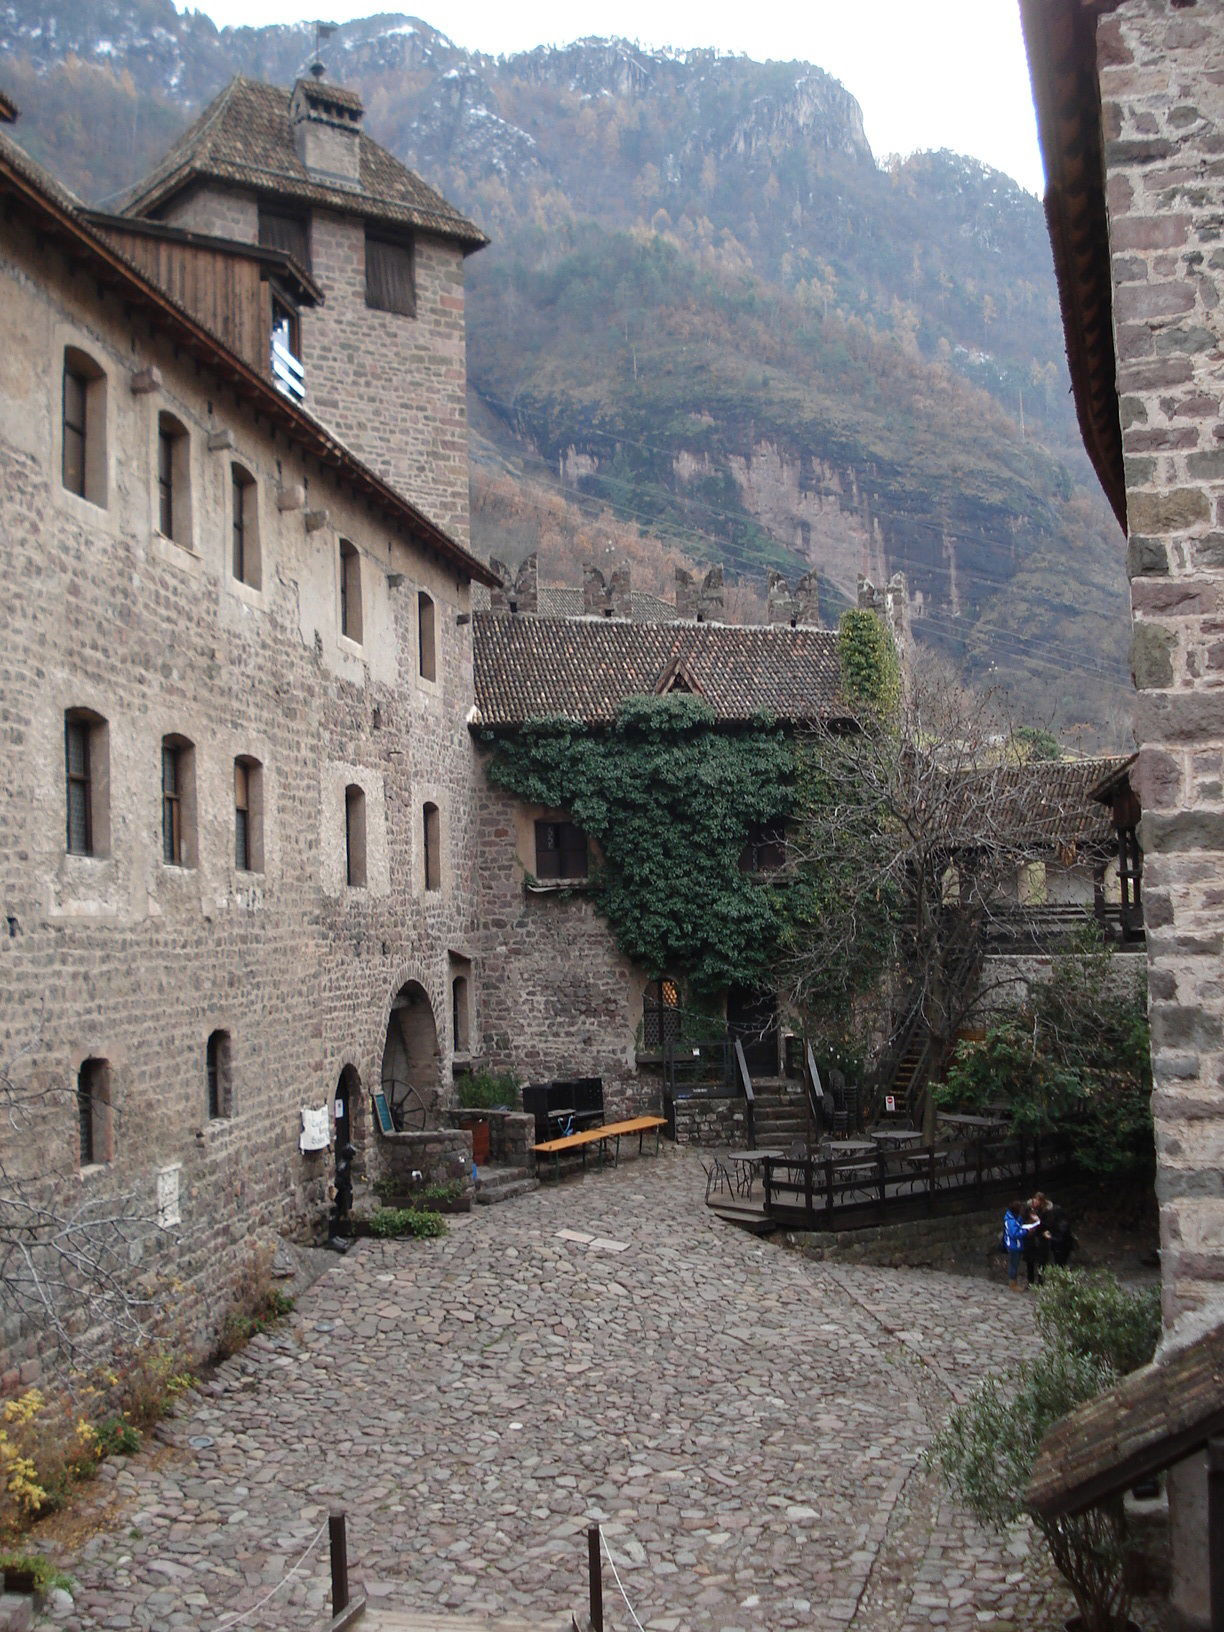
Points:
431	836
93	1096
350	592
426	637
660	1013
354	836
86	783
219	1076
83	427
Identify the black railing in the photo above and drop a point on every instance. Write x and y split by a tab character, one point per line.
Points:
826	1192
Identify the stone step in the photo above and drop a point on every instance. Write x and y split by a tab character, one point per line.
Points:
381	1616
16	1612
504	1190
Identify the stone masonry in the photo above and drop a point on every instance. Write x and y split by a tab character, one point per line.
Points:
116	956
1161	71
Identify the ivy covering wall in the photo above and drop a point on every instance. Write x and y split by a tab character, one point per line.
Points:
669	795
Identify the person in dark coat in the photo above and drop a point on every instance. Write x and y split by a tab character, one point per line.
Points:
1036	1241
1059	1235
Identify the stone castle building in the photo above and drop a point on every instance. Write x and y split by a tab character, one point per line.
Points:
253	870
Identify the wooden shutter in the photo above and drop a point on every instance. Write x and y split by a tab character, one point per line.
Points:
390	284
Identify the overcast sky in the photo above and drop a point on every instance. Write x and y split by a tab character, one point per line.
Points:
927	73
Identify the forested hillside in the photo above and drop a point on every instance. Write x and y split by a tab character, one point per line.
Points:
708	315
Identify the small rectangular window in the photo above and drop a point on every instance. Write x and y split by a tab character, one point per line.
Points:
75	388
390	275
244	528
173	480
561	850
354	836
427	652
83	427
178	802
94	1113
80	789
350	592
242	817
431	824
218	1074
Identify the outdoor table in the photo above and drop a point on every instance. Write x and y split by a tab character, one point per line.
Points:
897	1136
849	1147
746	1163
984	1124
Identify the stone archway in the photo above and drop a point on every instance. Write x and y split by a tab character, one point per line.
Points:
411	1060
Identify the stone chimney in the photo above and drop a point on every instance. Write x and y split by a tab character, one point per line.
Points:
326	124
783	608
710	597
807	599
517	592
620	596
596	601
686	594
897	610
870	599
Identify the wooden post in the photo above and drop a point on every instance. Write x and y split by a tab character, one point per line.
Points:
829	1188
1215	1531
339	1560
595	1572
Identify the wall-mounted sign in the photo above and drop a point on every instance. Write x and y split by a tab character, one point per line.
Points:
339	1110
383	1112
316	1129
890	1102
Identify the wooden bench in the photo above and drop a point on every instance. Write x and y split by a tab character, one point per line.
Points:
609	1133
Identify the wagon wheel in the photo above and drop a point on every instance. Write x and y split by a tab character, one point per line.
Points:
409	1107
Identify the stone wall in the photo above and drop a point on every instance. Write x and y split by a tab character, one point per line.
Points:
1161	70
119	957
712	1122
1006	981
559	999
392	387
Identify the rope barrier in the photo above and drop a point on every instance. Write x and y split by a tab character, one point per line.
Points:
243	1614
603	1540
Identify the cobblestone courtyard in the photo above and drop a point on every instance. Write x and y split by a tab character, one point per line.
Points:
748	1426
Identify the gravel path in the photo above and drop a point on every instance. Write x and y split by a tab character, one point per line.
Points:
747	1425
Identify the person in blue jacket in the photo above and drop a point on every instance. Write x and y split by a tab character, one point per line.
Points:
1014	1233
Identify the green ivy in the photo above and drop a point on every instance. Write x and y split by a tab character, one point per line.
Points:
870	674
668	793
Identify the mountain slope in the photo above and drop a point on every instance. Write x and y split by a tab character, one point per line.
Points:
706	310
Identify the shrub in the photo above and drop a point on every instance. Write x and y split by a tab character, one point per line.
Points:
986	1452
487	1091
45	1443
1090	1313
264	1307
391	1222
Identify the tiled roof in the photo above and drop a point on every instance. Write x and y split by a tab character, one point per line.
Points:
244	137
584	668
1147	1422
1054	798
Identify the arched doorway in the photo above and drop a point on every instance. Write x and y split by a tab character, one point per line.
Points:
410	1077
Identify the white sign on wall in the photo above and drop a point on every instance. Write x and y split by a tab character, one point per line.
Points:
316	1129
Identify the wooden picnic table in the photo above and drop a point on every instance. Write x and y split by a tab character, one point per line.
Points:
607	1133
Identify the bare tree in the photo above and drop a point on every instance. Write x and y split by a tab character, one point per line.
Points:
913	836
69	1256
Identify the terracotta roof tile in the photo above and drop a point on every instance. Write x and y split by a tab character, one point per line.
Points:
1147	1422
584	668
244	137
